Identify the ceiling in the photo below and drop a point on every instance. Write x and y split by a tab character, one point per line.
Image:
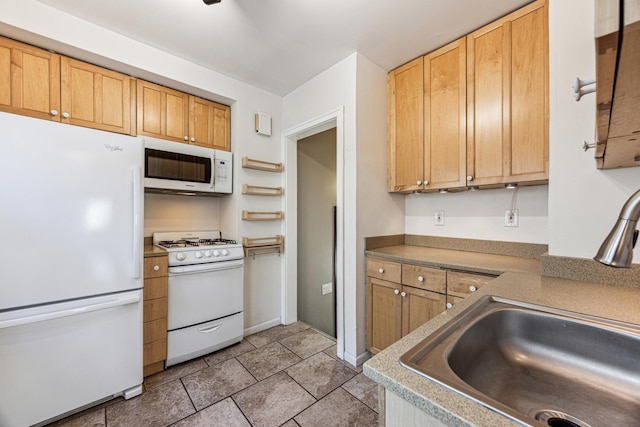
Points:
277	45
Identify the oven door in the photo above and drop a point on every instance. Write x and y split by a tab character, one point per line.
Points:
204	292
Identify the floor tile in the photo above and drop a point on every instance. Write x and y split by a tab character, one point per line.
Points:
320	374
161	406
273	401
216	382
338	408
296	327
290	423
92	418
265	361
229	352
306	343
174	372
364	389
224	413
331	351
270	335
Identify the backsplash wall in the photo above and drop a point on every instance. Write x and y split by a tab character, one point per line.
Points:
480	214
166	212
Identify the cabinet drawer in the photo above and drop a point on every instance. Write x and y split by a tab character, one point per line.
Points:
155	330
155	288
155	309
155	267
431	279
154	352
463	284
385	270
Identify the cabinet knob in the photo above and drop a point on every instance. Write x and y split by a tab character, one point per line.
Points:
425	182
449	305
54	112
419	182
186	138
381	270
193	139
65	115
396	291
420	279
469	178
473	288
403	294
156	267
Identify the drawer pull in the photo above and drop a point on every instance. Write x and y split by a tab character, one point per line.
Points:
420	279
209	329
156	267
403	294
381	270
396	291
449	305
473	288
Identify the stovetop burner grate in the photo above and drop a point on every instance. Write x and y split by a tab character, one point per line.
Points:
184	243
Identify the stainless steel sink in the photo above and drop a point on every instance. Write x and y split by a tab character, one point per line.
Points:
537	365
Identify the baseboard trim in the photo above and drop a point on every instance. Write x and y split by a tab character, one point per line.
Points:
262	326
356	360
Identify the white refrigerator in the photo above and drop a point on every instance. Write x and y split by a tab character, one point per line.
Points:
71	215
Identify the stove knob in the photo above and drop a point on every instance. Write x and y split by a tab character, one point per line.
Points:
216	253
198	254
208	254
225	252
180	256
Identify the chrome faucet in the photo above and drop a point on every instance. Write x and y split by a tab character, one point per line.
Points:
617	248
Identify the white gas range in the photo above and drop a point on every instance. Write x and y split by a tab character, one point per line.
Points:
205	300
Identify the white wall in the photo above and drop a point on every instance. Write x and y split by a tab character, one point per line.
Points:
583	202
33	22
359	86
480	214
166	212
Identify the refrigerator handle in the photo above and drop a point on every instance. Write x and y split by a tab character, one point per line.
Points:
40	315
137	221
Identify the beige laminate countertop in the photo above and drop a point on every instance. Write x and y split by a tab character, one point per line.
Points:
152	250
521	281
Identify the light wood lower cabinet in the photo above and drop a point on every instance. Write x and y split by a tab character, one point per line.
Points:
402	297
155	315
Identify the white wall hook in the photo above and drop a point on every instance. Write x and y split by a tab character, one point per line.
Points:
578	85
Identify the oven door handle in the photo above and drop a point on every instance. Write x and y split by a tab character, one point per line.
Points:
205	268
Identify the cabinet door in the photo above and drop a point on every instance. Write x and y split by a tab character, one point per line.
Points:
29	81
95	97
384	314
507	98
405	122
445	143
162	112
420	306
209	124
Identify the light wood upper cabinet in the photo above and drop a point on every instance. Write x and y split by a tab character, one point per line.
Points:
445	117
29	81
162	112
209	124
95	97
508	99
405	127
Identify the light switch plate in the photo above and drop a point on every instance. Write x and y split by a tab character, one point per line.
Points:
327	288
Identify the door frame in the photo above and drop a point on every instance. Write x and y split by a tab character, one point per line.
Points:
289	293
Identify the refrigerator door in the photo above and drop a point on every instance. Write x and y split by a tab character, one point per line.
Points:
59	357
71	212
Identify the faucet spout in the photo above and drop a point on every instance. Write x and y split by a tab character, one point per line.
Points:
617	249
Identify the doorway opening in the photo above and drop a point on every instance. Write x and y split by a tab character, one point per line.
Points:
316	175
291	137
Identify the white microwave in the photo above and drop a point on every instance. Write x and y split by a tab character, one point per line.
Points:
173	167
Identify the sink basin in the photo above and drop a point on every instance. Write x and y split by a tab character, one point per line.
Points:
537	365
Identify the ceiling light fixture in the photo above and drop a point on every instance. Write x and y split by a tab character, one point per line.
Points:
210	2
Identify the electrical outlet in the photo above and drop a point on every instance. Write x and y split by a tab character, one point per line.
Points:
327	288
439	218
511	217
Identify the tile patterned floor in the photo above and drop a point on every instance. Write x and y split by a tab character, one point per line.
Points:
285	376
